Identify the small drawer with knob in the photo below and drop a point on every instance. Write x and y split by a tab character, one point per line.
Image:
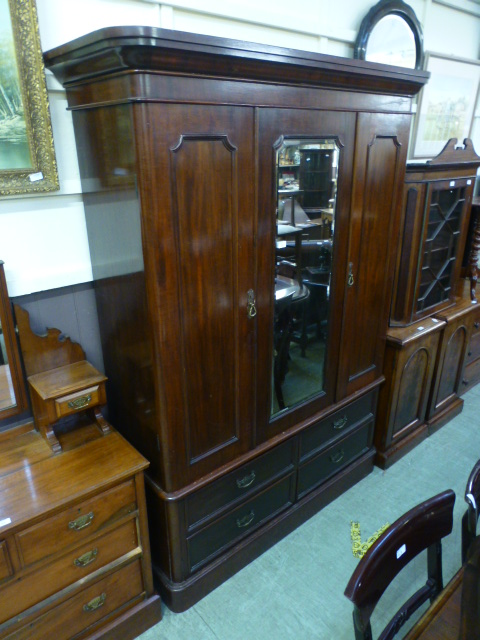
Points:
238	522
337	425
334	458
76	523
239	484
473	349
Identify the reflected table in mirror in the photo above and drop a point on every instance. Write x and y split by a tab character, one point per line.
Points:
299	341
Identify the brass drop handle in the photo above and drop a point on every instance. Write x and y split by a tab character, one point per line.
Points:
246	520
338	456
86	558
81	522
350	279
96	603
243	483
251	308
340	423
80	403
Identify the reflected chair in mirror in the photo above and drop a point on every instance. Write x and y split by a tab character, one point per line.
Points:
470	517
423	527
281	345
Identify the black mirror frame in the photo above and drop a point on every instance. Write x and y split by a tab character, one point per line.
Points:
381	10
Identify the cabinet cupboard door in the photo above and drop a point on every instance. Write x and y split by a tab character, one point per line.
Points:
199	239
310	133
380	157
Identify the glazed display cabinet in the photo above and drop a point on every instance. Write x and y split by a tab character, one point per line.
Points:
243	328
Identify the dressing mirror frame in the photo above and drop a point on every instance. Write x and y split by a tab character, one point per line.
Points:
381	10
13	353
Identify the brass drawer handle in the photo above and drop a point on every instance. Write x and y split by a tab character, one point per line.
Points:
243	483
246	520
80	403
339	424
81	522
96	603
86	558
338	456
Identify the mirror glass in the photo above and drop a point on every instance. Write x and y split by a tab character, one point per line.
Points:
12	388
7	393
391	41
306	190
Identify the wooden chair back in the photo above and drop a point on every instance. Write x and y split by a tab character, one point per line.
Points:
470	517
423	527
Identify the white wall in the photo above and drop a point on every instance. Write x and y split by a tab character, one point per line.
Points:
43	239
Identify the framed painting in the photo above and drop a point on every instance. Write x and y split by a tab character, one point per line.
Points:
446	105
27	155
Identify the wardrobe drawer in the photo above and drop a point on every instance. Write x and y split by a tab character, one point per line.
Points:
334	458
336	425
75	524
86	607
19	595
5	564
235	524
92	397
239	483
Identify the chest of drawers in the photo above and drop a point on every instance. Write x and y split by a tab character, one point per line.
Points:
74	547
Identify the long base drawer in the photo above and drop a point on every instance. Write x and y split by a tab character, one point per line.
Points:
240	521
85	608
334	458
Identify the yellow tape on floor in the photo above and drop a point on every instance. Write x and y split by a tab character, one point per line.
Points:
359	548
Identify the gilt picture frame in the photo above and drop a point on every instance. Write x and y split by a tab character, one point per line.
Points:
446	104
27	154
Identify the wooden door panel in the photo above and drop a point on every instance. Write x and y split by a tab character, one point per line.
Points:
202	230
380	157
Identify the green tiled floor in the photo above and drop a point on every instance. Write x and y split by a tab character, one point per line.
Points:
294	591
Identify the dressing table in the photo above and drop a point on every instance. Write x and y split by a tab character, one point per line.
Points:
74	546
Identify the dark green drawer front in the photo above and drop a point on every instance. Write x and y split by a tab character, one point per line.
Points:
235	524
334	458
240	483
336	425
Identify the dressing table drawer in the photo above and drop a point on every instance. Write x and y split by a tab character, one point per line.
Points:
334	458
239	483
72	567
80	400
5	564
75	524
87	607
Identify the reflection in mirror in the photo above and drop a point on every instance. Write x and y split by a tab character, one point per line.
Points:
392	41
12	389
306	188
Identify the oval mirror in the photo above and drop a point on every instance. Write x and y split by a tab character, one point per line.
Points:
391	34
